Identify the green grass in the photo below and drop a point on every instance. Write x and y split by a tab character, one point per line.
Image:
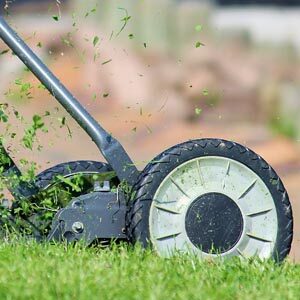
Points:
42	271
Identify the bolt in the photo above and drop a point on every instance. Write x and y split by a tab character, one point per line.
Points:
77	204
77	227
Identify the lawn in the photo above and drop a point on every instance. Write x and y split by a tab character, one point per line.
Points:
43	271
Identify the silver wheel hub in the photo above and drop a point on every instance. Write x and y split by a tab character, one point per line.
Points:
213	206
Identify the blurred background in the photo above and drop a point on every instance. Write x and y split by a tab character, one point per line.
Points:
156	73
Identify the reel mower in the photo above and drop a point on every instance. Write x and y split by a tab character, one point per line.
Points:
206	197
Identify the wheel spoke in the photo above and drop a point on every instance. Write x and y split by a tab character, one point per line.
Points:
226	174
200	173
167	236
167	209
179	188
259	238
241	252
248	189
164	202
257	213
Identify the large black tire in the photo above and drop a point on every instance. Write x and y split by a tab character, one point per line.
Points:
157	170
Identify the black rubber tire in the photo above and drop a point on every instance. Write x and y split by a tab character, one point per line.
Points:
48	177
137	220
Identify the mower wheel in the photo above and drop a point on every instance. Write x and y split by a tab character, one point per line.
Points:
212	198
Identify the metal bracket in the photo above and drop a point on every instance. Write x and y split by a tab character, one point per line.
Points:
90	217
104	188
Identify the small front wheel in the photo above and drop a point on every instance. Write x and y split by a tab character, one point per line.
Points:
211	198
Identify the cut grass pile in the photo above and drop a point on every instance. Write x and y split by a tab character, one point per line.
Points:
43	271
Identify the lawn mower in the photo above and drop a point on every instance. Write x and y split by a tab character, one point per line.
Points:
206	197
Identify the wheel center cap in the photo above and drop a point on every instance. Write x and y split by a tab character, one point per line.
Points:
214	223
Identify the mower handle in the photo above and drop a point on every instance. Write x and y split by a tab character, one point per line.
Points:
110	148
